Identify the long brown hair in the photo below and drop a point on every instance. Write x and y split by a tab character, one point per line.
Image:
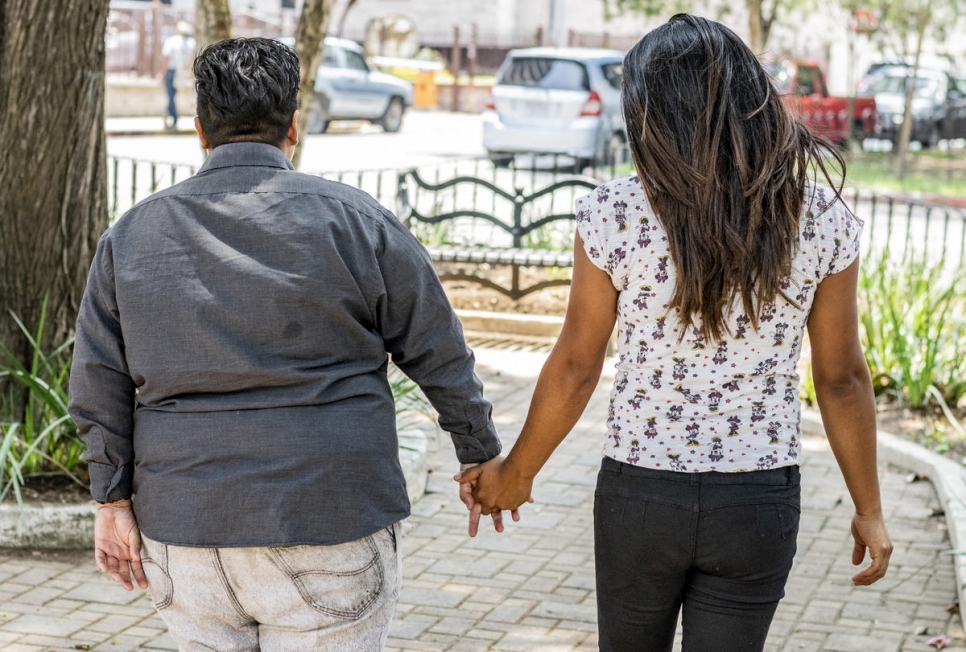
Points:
724	165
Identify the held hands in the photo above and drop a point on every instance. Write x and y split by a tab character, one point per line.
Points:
117	544
489	488
869	532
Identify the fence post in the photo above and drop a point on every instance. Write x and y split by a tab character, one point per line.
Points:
455	65
471	53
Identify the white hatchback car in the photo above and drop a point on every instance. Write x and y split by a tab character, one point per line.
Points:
556	101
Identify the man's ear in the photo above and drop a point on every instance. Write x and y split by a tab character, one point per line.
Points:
201	134
292	137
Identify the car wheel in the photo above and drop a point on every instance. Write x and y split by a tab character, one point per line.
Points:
319	115
499	159
392	119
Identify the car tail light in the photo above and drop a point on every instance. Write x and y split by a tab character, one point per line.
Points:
592	106
490	102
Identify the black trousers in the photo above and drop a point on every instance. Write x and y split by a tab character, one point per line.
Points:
717	545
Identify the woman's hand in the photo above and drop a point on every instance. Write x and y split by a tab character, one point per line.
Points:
489	488
870	534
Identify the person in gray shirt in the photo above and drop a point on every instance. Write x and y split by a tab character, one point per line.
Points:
229	380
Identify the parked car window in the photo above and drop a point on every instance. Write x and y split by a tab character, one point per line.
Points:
329	58
613	73
354	61
896	83
543	72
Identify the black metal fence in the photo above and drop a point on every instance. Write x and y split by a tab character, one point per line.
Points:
903	225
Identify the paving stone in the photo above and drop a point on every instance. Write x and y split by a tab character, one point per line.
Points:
39	595
411	626
567	612
851	643
102	593
163	642
35	624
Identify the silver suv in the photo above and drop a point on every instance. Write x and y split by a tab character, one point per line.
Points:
556	101
346	89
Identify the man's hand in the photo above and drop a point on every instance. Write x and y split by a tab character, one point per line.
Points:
117	544
469	478
869	533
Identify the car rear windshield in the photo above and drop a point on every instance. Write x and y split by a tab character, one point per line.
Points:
543	72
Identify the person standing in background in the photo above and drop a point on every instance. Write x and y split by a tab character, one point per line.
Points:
179	52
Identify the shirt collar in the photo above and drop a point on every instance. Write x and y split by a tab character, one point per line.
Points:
246	155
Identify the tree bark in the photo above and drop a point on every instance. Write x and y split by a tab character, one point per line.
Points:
905	131
309	36
756	40
213	22
53	163
345	13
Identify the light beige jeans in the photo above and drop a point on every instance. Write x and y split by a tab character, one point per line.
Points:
333	598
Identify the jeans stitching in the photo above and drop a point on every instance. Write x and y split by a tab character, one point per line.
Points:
162	564
220	570
296	578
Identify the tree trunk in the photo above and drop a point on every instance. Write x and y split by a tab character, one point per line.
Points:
905	131
756	40
53	163
309	36
213	18
345	12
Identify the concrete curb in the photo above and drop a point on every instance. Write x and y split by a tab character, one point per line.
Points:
480	322
51	526
946	476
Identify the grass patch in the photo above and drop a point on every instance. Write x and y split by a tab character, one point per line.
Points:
932	173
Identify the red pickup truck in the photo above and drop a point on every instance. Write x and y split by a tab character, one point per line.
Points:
802	85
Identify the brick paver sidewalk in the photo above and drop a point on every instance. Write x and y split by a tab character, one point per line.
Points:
532	588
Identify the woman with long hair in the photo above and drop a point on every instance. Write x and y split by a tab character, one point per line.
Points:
712	260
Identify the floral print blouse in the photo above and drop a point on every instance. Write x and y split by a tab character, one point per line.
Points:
693	405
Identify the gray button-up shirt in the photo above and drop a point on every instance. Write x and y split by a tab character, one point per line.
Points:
231	352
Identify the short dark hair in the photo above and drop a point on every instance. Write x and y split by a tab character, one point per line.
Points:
247	90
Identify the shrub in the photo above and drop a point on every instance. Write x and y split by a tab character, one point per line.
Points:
912	329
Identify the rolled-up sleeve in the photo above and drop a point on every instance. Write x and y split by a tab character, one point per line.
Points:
425	339
101	388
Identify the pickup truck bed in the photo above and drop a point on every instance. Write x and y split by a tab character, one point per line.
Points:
803	90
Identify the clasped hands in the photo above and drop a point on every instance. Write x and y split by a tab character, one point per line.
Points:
491	487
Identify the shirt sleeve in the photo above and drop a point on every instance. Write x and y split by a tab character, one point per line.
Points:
588	232
425	339
841	235
604	232
101	390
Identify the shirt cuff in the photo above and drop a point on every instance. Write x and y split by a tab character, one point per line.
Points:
478	447
111	483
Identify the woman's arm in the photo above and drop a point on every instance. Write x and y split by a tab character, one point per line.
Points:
844	392
566	382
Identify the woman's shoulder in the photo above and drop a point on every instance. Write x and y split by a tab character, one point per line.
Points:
616	196
822	200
